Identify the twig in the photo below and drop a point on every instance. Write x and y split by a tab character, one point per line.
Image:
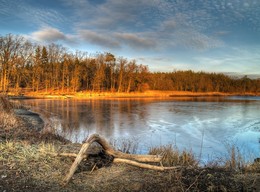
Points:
93	168
196	179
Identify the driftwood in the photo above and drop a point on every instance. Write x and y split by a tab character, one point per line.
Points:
119	157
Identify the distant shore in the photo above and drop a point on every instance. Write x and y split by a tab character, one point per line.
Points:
104	95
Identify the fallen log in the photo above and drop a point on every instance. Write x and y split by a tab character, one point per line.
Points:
110	151
119	157
120	160
80	156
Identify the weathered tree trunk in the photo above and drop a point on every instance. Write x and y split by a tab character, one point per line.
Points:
119	157
80	156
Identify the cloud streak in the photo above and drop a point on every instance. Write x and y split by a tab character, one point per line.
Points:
134	41
48	34
98	39
25	12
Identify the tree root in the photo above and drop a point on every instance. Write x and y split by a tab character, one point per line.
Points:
119	157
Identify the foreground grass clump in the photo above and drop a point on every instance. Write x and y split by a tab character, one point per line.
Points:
7	118
172	156
26	166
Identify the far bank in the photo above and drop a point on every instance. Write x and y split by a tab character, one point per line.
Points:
147	94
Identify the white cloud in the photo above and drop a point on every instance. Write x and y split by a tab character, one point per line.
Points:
48	34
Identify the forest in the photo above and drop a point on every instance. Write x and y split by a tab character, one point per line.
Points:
26	65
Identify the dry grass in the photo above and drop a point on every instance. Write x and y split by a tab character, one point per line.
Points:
7	120
172	157
25	163
5	105
125	145
97	95
235	160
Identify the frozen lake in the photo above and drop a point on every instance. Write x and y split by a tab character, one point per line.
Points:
205	125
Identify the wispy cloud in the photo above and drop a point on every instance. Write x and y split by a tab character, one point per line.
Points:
134	41
246	58
27	13
48	34
5	8
98	38
144	23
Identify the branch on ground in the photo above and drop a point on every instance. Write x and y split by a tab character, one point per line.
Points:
119	157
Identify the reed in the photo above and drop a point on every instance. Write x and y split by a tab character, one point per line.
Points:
172	156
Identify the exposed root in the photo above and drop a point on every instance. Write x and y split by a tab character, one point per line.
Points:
119	157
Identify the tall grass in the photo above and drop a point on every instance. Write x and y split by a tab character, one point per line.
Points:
172	156
125	145
7	120
5	105
235	159
32	161
7	117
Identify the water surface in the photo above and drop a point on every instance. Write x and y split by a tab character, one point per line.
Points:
205	125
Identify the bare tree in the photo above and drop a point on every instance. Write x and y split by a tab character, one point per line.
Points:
10	46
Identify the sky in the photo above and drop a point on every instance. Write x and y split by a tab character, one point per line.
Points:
220	36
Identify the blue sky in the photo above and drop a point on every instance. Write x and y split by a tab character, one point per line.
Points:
201	35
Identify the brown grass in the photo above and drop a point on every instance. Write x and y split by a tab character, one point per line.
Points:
172	156
7	118
146	94
5	105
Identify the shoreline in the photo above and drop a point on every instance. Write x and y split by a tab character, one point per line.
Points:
32	119
116	95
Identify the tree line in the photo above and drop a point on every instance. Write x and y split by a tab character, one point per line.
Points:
27	65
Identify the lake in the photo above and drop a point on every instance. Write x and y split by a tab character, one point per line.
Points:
207	126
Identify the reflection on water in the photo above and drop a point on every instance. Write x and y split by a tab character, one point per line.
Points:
203	125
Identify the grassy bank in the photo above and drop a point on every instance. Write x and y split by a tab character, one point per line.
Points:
27	163
145	94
